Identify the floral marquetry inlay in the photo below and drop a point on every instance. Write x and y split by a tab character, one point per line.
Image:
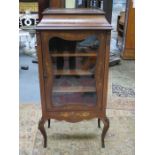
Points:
75	114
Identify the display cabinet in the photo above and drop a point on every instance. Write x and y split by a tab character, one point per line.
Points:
73	77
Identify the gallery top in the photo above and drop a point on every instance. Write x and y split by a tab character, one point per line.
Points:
73	19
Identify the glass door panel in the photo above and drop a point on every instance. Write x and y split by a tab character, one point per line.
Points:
73	67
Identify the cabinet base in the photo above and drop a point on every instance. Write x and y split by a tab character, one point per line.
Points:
105	121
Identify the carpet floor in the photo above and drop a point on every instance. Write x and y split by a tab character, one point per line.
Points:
83	138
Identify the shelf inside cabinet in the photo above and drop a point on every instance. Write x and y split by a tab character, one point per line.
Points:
74	89
73	72
65	54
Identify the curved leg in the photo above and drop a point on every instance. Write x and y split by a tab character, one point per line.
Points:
99	123
49	123
43	131
105	129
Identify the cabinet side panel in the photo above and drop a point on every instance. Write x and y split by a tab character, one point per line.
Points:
106	71
41	77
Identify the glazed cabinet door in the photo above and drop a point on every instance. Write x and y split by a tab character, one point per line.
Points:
73	64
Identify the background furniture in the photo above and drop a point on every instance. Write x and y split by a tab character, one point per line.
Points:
78	93
128	51
120	29
31	5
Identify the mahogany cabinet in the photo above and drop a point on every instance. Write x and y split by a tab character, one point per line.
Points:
73	76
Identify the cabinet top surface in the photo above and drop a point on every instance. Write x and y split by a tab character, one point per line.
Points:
77	11
73	19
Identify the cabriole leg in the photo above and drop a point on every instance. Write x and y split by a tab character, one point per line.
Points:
105	129
49	123
43	131
99	123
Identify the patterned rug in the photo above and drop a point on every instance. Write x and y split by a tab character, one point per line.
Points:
82	138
